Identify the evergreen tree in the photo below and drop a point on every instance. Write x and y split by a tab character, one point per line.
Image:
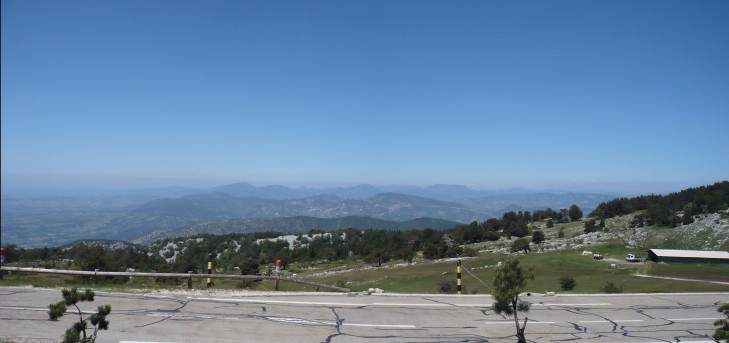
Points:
575	212
537	237
77	332
510	281
521	244
722	325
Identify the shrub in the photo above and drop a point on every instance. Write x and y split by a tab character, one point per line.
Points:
611	288
57	310
491	236
446	287
521	244
722	325
450	287
470	252
77	332
537	237
567	282
245	283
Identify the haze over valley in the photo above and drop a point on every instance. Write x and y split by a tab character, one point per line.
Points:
36	221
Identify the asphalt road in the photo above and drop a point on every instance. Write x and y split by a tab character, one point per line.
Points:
360	318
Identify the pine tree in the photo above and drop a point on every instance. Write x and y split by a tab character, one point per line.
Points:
510	281
77	333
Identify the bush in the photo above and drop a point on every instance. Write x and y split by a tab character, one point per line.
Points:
722	325
470	252
245	283
450	287
521	244
447	287
57	310
537	237
491	236
567	282
591	226
611	288
454	251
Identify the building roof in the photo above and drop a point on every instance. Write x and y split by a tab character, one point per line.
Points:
690	253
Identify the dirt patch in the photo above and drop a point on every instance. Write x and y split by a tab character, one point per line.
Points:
624	263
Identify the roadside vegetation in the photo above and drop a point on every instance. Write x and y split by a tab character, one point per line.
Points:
80	332
558	244
722	325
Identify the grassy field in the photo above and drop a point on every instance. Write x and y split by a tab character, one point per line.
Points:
427	276
590	275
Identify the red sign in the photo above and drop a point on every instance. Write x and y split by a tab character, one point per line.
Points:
2	251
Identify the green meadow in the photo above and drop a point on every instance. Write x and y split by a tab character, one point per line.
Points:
424	276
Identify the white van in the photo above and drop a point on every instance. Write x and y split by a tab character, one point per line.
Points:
633	258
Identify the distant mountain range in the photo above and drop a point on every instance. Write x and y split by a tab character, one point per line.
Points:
490	202
39	221
388	206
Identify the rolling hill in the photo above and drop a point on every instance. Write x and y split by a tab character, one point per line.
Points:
52	221
293	224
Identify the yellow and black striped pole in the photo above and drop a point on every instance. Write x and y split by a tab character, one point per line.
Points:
458	275
210	268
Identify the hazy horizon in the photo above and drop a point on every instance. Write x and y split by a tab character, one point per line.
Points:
72	184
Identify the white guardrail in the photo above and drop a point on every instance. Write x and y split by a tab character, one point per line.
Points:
188	276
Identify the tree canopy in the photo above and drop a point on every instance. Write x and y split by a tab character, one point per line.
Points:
661	210
510	281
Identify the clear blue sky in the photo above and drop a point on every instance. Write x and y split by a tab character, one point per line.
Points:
580	95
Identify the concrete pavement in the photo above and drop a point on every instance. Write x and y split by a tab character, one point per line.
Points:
340	318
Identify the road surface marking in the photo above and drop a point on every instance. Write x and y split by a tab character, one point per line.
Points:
431	305
300	321
381	326
473	305
611	321
23	308
404	304
266	301
317	322
689	319
585	304
286	302
511	322
17	308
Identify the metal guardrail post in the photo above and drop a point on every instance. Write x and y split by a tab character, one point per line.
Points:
189	279
278	271
458	275
210	268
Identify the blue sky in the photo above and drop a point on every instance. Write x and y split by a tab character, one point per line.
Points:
579	95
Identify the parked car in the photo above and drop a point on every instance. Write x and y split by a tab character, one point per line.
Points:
633	258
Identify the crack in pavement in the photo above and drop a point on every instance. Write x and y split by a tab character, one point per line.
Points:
339	322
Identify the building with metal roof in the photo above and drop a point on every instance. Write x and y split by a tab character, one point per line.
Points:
688	256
